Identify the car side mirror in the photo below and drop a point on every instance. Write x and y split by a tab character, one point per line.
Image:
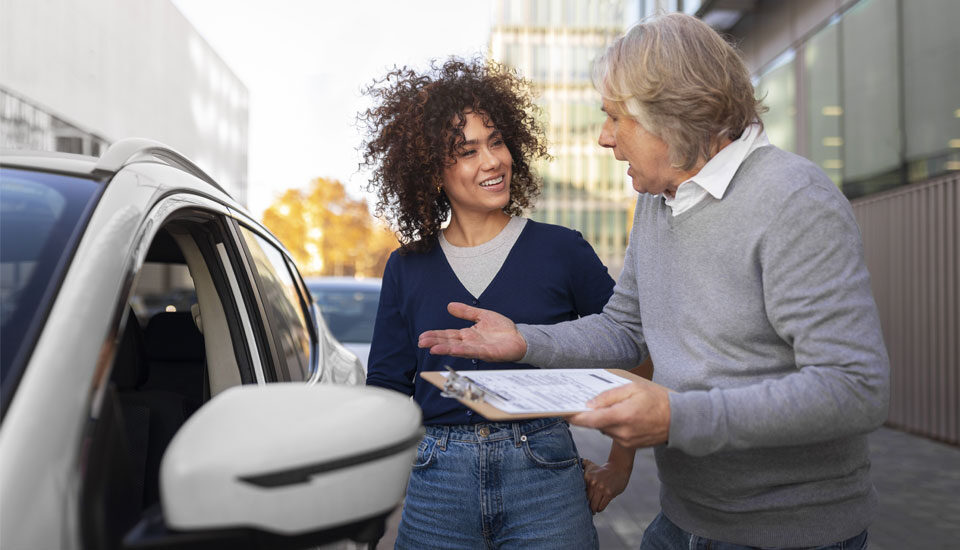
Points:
284	465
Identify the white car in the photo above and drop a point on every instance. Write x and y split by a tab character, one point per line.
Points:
235	422
349	308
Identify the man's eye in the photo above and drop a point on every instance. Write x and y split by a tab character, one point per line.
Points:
468	153
498	142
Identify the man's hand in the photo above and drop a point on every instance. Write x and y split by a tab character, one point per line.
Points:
635	415
604	483
493	337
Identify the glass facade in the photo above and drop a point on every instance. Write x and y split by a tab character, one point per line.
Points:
553	43
871	97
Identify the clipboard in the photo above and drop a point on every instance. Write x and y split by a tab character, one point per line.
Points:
473	396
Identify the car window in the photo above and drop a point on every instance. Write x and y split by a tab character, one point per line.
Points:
41	216
162	287
349	312
283	305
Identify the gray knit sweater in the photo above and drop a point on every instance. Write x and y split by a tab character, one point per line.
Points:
758	313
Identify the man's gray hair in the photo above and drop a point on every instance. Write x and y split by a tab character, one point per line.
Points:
682	82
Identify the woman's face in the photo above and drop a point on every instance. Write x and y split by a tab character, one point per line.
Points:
480	179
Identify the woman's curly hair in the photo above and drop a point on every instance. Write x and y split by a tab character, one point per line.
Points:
416	128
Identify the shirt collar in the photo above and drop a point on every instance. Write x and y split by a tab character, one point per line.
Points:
716	174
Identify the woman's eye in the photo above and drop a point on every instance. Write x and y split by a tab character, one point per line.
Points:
497	142
468	153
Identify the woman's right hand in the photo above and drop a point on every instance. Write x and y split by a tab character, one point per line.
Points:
492	337
604	483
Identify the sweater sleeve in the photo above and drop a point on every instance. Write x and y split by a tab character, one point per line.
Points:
610	339
817	296
392	363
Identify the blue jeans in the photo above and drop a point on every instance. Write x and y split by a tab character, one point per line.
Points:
497	485
663	534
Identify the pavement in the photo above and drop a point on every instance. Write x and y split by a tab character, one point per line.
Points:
917	480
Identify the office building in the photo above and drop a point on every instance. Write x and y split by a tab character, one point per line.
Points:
553	43
76	76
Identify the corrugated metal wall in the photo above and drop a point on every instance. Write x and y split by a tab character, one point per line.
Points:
912	241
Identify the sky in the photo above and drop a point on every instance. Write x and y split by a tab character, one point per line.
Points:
304	64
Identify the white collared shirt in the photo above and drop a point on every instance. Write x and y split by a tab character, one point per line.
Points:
714	178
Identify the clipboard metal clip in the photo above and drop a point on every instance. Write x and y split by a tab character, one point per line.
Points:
461	387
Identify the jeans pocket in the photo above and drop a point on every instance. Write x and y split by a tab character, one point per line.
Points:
551	447
425	452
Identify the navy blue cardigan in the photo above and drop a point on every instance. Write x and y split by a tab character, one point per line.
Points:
550	275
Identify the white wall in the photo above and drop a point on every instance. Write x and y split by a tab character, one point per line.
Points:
122	68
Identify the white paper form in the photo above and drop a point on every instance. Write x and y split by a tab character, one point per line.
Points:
543	390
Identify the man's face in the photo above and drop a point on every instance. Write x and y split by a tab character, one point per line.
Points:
646	154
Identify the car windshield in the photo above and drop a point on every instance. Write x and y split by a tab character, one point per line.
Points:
40	218
348	312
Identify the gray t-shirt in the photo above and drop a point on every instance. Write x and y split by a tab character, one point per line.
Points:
476	266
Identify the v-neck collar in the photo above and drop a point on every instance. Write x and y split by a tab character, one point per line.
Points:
497	277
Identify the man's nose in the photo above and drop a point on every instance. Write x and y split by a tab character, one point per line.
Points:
606	136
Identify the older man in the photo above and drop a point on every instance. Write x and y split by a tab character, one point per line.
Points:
745	281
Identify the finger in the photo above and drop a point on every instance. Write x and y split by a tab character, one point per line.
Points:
602	505
591	419
595	499
613	396
463	311
434	337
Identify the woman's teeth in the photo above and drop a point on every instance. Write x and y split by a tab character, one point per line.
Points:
494	181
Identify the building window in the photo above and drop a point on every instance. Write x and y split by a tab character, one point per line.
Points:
824	110
871	97
931	51
70	144
778	87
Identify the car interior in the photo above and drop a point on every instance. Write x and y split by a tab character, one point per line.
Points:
164	369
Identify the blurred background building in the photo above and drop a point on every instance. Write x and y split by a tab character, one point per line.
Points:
76	76
552	43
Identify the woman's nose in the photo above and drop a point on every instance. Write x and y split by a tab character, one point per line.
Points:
488	160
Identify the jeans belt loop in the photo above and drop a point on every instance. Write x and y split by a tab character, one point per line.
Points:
517	435
444	436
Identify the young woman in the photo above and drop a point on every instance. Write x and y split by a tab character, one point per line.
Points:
454	144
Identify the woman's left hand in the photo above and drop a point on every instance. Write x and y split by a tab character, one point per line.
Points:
604	483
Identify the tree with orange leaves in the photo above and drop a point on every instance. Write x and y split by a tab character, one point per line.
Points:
328	233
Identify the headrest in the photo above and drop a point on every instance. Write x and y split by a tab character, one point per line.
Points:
173	336
129	367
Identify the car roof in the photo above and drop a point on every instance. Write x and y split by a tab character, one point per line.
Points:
119	155
79	165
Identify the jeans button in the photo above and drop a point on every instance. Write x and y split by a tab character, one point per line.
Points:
474	361
483	431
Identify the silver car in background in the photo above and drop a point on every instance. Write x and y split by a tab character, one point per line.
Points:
349	308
